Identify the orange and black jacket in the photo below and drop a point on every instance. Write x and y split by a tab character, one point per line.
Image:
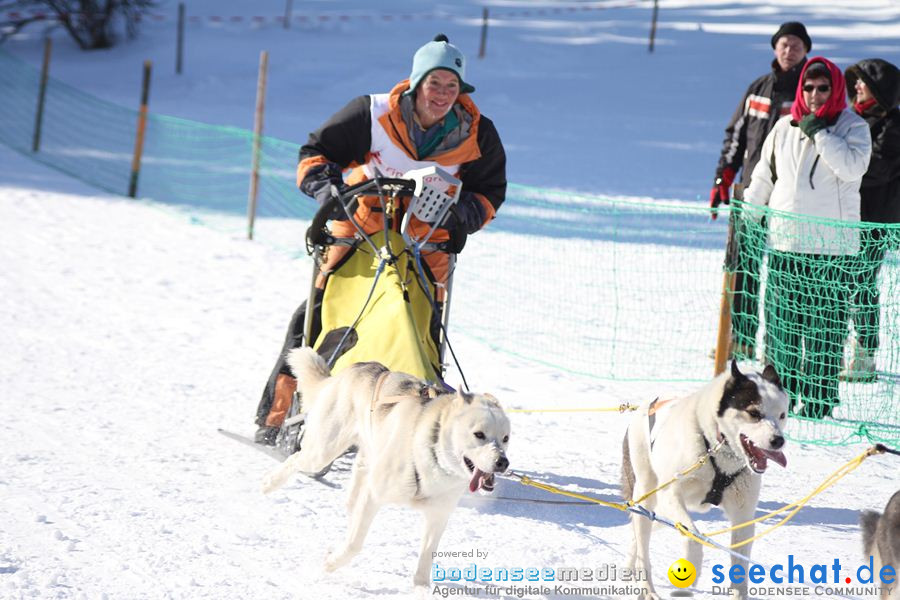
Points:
344	142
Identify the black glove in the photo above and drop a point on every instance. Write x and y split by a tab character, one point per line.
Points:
463	218
467	214
318	183
811	124
458	234
337	212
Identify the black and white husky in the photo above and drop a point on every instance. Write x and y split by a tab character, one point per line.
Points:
881	540
417	446
747	414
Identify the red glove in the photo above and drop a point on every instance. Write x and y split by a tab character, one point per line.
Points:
721	191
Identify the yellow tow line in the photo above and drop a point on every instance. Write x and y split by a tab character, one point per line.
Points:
634	506
620	409
796	506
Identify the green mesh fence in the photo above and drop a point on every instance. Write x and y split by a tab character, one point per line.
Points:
184	162
817	299
634	286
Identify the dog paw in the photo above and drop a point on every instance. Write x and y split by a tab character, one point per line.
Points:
273	480
335	560
331	565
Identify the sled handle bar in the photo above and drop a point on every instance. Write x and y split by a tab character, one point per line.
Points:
348	201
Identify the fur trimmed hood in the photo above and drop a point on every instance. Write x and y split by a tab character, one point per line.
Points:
881	77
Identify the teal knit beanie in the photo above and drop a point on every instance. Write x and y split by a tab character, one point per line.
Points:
439	54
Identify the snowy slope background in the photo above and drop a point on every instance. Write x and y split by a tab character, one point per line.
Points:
131	331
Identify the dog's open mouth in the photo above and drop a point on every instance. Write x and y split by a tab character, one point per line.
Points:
480	479
759	457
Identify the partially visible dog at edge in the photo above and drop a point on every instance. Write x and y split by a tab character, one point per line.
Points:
416	445
747	414
881	541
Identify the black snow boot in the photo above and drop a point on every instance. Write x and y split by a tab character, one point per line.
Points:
266	435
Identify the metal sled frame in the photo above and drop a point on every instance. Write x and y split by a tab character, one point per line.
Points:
429	206
425	203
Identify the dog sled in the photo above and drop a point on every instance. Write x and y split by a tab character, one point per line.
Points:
373	295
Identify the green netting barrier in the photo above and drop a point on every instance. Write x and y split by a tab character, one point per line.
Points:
184	162
817	299
634	288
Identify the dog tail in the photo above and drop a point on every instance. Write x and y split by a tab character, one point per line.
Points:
311	370
868	521
627	470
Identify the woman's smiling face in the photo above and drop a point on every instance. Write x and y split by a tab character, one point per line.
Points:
435	96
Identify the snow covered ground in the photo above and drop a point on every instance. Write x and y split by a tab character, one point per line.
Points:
131	331
131	334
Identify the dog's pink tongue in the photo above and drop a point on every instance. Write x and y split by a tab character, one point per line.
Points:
777	456
476	480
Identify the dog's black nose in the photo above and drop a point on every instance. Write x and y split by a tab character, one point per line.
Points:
777	441
502	464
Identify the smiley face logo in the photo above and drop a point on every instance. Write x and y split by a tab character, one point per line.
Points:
682	573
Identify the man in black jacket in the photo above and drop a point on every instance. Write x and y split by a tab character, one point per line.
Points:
766	100
874	88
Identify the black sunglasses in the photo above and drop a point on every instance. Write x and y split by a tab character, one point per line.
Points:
821	88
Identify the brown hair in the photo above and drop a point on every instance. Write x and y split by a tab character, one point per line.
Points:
816	70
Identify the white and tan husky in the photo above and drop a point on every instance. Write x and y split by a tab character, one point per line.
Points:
416	446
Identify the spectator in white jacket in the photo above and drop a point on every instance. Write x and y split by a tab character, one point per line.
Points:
810	171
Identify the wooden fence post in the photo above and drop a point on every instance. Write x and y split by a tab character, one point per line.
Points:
142	126
723	337
484	27
288	9
179	51
42	94
257	139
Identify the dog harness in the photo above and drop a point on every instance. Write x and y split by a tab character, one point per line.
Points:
654	408
376	392
388	402
721	480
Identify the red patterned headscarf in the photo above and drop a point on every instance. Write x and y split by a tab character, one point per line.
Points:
836	103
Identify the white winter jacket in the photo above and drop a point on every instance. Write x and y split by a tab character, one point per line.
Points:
815	179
